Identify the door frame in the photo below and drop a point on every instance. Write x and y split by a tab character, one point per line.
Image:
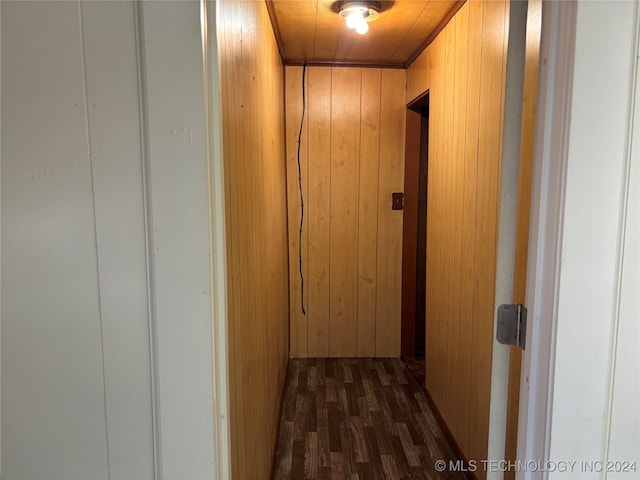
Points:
415	128
217	239
528	39
555	88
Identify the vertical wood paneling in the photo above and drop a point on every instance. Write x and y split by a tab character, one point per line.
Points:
229	41
494	39
236	189
466	65
435	220
418	81
446	224
354	139
345	149
274	169
391	179
433	217
368	212
468	253
319	208
461	33
293	113
293	99
254	338
252	86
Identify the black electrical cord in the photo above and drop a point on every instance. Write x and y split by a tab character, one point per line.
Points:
304	72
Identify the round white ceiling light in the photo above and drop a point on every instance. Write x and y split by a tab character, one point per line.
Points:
358	14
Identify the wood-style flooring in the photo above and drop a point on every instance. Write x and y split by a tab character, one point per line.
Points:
358	419
417	366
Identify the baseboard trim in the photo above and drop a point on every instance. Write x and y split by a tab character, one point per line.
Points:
449	436
274	451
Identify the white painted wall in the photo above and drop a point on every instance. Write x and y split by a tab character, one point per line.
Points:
53	396
624	401
106	314
581	382
110	70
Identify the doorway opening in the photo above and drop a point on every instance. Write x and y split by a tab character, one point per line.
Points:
414	235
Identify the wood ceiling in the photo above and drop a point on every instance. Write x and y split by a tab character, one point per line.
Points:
312	31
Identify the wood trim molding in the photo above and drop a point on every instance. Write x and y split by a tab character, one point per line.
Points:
449	436
274	450
443	23
298	63
366	64
419	102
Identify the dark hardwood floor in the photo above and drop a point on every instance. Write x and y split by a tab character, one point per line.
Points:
358	419
417	366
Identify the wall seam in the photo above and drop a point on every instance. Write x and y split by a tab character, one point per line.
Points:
475	230
330	190
307	196
95	227
375	325
148	229
450	91
463	176
358	216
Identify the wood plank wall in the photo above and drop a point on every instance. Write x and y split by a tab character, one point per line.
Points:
464	71
252	87
352	159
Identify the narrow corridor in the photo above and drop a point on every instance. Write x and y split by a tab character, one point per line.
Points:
358	419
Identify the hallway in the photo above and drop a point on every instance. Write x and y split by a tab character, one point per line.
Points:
360	419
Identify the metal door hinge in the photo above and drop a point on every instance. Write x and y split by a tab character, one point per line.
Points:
512	324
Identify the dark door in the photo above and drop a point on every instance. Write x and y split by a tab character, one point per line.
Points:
414	235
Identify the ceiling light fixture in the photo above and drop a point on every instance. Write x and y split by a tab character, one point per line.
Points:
359	14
